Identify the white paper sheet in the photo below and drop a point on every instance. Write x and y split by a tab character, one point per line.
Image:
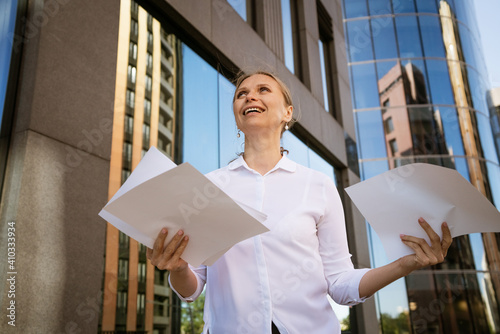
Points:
158	194
393	201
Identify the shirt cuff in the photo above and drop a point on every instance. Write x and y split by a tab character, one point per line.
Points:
189	299
346	290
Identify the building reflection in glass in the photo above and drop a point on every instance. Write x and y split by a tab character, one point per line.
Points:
418	92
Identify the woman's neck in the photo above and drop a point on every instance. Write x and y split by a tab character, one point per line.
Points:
261	153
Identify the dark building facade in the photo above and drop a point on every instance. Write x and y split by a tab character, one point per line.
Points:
419	95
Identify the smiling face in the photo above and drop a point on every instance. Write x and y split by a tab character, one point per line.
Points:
259	106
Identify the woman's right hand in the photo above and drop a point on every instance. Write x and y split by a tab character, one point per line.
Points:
168	257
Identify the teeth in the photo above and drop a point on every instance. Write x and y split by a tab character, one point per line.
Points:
252	109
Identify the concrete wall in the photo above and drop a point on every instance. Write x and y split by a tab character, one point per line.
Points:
58	166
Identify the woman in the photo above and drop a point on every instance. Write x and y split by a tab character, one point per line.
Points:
278	282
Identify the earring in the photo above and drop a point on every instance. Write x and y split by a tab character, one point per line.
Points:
286	126
238	135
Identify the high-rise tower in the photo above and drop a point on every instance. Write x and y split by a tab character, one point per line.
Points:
419	95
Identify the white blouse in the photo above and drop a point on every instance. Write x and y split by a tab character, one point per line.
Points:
284	275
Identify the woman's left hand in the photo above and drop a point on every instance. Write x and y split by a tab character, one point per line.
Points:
425	254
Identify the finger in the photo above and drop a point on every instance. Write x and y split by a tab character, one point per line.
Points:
433	255
173	244
433	236
178	252
420	257
160	240
447	239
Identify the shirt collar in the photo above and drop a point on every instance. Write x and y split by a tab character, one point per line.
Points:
284	163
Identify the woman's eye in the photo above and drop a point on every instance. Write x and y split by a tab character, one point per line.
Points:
240	94
264	89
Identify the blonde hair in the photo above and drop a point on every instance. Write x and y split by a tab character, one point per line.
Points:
287	95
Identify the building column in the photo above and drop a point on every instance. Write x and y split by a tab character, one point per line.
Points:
57	172
363	316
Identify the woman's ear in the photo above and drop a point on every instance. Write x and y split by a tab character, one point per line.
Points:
289	113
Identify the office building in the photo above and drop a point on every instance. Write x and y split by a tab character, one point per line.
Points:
89	86
419	95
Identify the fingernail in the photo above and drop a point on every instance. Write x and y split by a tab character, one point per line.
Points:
420	220
401	235
186	238
445	224
181	232
163	231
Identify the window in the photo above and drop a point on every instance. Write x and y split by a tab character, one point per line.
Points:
140	303
121	300
150	22
149	61
394	146
149	83
123	238
240	7
122	269
134	29
141	272
132	51
150	40
288	33
134	8
388	125
326	57
145	135
147	111
130	98
131	73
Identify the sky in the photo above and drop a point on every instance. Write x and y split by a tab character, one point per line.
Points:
487	12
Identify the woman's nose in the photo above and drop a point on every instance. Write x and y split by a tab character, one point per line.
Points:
251	96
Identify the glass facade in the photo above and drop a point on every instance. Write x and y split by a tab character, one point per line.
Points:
9	45
419	95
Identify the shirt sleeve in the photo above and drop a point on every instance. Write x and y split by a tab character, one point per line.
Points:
343	280
201	276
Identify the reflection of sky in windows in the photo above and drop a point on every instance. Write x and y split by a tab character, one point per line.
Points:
379	7
355	8
403	6
384	40
408	36
370	134
7	20
427	7
430	28
323	74
301	154
364	85
200	112
439	82
360	43
240	6
286	16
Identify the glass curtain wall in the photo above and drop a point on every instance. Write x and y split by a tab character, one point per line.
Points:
419	95
10	44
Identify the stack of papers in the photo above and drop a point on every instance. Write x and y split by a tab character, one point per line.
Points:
393	201
160	194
